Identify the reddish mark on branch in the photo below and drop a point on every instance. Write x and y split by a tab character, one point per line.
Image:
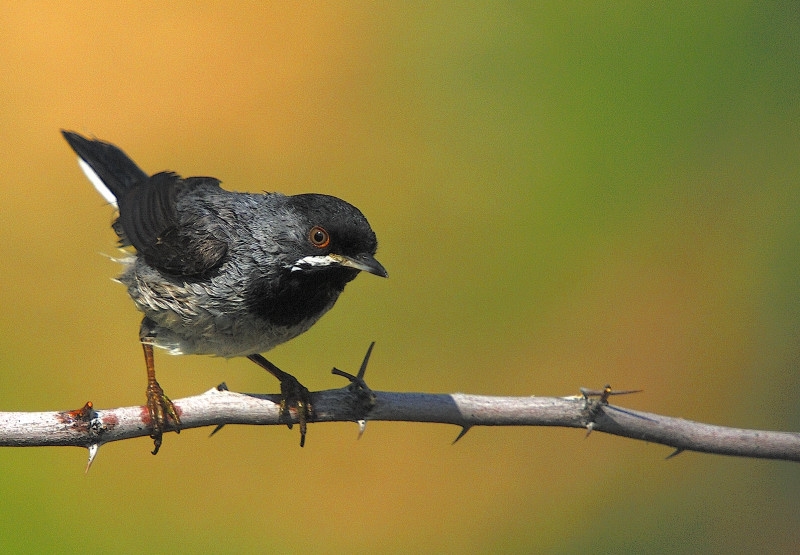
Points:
78	418
144	414
110	420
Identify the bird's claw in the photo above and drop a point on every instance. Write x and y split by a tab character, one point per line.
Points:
295	397
161	411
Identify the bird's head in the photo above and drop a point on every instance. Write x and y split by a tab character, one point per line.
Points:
333	236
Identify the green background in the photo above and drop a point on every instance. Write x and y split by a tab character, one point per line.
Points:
565	195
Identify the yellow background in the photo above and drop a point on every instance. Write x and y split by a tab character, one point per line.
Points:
567	195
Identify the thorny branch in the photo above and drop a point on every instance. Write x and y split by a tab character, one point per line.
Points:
90	428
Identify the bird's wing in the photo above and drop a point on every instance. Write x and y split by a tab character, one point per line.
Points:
179	244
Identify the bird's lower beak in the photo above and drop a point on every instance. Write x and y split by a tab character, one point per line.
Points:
363	262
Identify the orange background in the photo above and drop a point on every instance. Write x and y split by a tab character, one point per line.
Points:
565	196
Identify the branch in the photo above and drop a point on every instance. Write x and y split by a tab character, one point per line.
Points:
89	427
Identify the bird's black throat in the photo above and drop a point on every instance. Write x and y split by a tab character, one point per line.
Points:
297	296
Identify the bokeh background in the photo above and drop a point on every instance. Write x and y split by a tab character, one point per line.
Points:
565	195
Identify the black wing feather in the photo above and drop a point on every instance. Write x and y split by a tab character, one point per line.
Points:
167	240
148	220
148	210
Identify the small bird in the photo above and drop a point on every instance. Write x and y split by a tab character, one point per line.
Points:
225	273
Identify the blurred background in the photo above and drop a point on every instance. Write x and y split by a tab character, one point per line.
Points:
565	195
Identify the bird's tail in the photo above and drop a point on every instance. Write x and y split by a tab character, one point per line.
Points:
107	167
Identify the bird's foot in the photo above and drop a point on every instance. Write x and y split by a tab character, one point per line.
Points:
161	411
295	397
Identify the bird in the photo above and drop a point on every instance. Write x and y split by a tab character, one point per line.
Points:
225	273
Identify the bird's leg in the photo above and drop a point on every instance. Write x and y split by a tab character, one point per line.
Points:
294	395
159	406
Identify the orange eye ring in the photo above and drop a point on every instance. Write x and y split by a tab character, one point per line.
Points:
319	237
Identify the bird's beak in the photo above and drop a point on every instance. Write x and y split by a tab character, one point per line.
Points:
363	262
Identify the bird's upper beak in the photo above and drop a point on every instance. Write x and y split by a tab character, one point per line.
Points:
363	262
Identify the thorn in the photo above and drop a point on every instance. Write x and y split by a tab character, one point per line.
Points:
221	387
675	453
605	393
83	414
462	433
365	399
589	428
363	369
336	372
358	379
93	450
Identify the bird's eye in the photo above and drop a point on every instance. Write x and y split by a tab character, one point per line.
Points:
319	237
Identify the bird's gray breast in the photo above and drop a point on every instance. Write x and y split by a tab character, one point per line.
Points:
213	316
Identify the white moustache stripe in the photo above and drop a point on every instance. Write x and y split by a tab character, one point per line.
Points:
310	261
